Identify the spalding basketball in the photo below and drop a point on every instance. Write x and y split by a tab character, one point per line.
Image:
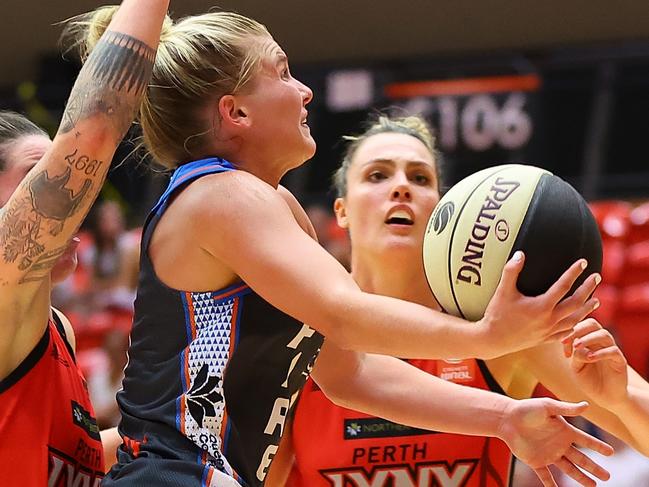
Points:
482	220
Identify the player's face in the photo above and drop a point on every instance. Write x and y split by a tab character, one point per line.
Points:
21	157
276	106
392	189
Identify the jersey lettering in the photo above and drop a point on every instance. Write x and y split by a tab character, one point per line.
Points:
64	473
424	475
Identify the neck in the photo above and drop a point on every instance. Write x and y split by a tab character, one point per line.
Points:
254	163
394	275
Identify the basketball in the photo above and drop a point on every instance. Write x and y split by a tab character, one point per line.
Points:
482	220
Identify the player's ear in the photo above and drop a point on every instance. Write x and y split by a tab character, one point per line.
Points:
233	111
341	213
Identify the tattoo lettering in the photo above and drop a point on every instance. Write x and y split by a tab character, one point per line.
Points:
83	163
114	76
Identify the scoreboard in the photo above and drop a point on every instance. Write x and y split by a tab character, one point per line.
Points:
581	114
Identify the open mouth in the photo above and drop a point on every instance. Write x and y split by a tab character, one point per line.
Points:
399	217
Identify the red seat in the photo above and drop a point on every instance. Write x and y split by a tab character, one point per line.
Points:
639	224
614	261
608	296
636	266
612	218
632	326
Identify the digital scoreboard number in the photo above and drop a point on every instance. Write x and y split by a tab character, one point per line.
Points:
474	114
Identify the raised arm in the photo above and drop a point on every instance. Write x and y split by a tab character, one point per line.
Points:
51	202
269	251
46	209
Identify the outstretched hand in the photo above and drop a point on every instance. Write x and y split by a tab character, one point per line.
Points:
598	363
515	322
537	434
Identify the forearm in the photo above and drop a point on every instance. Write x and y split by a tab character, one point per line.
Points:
110	440
427	334
114	77
634	415
394	390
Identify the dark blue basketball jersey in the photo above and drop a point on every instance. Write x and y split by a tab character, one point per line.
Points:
211	375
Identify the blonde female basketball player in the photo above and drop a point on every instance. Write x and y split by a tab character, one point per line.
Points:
388	185
230	272
47	425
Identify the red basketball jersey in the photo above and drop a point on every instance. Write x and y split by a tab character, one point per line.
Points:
338	447
48	432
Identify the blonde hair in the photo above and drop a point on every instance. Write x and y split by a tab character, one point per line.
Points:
413	125
200	59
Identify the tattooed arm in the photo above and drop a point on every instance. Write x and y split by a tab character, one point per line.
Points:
48	206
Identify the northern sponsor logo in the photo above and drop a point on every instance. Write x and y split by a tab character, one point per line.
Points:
356	429
85	421
471	267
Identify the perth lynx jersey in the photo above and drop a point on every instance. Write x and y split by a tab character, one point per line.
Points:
338	447
211	375
48	432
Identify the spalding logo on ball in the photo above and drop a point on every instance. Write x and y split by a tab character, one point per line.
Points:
482	220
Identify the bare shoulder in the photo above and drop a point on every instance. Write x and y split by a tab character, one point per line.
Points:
299	213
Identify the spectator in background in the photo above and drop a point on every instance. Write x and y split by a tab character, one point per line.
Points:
330	235
111	259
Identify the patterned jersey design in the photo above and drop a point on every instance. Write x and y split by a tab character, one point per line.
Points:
211	375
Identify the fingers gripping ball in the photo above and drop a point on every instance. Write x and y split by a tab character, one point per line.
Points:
482	220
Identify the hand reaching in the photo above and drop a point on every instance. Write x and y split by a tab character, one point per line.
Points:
538	435
515	322
598	363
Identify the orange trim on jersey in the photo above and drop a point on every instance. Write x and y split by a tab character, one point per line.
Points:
192	325
229	293
208	479
191	173
233	338
464	86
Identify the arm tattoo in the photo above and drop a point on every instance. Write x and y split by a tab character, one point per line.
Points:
109	86
42	266
44	210
114	76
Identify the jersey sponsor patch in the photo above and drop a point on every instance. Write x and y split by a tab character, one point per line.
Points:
458	371
85	421
356	429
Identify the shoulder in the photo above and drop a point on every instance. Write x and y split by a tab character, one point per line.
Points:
299	213
222	191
